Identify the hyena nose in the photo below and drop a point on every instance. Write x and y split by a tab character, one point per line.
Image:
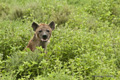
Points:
44	36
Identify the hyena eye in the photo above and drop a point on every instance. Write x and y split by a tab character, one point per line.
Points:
40	31
47	30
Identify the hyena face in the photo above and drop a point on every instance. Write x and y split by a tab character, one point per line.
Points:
43	31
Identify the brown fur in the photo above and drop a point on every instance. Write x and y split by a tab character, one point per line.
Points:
41	31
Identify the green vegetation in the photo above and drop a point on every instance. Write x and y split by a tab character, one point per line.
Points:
84	46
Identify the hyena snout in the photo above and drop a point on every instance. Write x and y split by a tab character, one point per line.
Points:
45	36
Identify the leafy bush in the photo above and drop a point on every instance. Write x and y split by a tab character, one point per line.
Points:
40	11
78	58
4	10
104	10
84	45
56	76
13	37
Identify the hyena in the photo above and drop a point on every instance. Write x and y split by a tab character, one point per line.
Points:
42	34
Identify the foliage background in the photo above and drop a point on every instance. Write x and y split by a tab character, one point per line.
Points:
84	46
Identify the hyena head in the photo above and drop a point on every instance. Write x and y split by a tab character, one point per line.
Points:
43	31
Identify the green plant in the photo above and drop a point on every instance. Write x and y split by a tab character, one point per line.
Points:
84	45
56	76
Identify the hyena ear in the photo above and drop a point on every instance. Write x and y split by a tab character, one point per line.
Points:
34	26
52	25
